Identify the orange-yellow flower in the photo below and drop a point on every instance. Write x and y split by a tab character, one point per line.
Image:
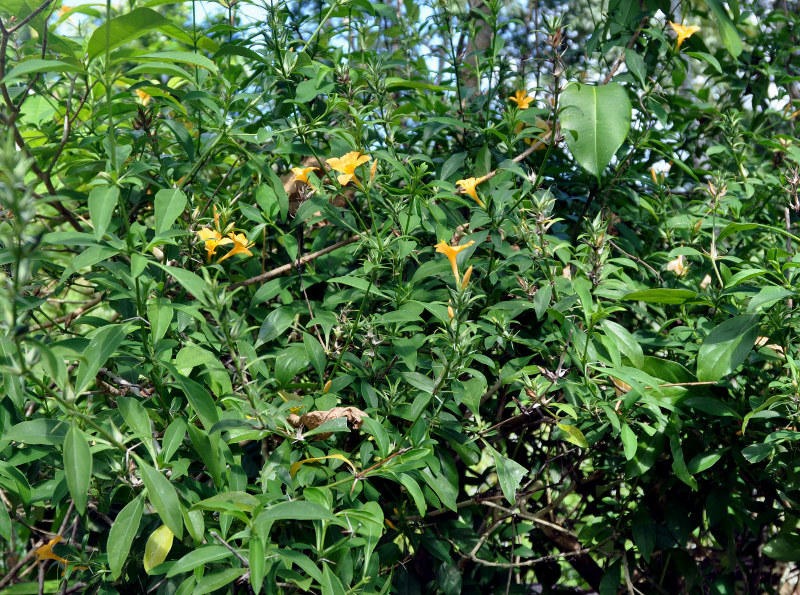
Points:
372	171
346	165
301	173
240	245
468	187
211	238
467	275
684	32
144	97
451	252
46	551
521	98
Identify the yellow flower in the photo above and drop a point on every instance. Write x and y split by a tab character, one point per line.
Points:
211	238
521	98
346	165
372	171
327	387
452	253
467	275
301	173
145	97
678	266
468	187
683	32
240	245
46	551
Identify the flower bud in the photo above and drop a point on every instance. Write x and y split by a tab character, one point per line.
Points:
467	275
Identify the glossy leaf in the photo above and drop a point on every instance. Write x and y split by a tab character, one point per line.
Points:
77	466
157	547
596	121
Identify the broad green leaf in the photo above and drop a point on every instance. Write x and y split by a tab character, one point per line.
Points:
299	510
217	580
662	296
726	347
635	65
625	341
188	280
183	57
122	534
163	497
703	461
596	121
257	563
37	66
509	474
135	415
316	353
198	557
38	431
726	28
643	530
123	29
169	204
102	202
199	399
331	585
77	466
157	547
102	345
784	548
629	442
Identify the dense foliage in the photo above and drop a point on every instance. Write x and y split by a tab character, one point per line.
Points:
351	297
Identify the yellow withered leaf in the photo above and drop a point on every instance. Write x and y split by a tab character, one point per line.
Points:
296	466
157	547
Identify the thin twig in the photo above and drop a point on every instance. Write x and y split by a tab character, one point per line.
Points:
288	267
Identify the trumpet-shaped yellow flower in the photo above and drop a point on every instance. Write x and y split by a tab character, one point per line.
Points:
301	173
522	99
468	187
46	551
451	252
346	166
211	238
240	245
683	32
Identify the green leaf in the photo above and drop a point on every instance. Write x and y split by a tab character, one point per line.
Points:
102	345
755	453
574	435
184	57
169	204
726	347
316	353
298	510
217	580
726	28
135	415
662	296
643	531
77	466
784	548
123	29
198	557
198	397
625	341
163	497
37	65
122	534
703	461
157	547
509	474
596	121
38	431
635	65
629	442
257	563
102	202
188	280
5	524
